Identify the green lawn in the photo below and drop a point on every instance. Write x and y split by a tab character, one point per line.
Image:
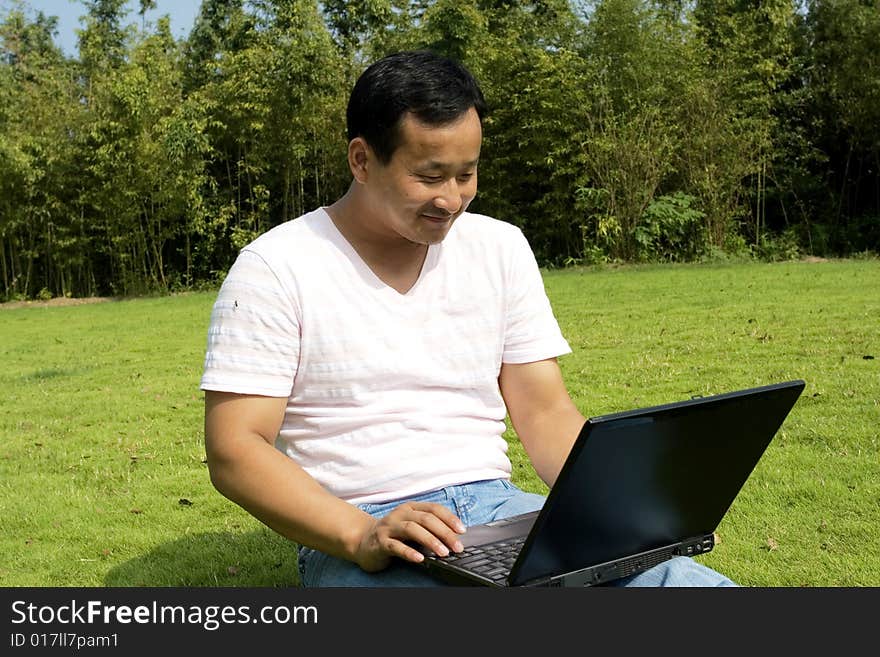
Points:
102	474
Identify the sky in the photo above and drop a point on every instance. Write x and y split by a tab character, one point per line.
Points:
182	13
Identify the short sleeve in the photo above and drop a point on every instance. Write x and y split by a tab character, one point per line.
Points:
254	333
531	330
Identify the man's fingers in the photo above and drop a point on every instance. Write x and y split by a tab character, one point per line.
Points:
430	525
413	532
400	549
407	529
440	511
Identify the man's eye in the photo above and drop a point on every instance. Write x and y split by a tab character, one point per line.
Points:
465	177
432	179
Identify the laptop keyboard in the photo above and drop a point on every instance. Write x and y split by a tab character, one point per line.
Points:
492	560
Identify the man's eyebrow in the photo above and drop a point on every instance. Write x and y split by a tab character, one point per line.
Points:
434	164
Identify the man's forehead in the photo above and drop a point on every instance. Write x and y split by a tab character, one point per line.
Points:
410	117
456	143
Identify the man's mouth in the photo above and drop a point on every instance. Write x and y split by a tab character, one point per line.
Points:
438	219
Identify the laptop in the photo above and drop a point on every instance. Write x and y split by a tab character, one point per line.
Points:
638	488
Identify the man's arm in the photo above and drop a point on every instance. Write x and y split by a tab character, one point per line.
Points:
240	432
542	413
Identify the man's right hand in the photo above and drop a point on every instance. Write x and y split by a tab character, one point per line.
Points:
426	524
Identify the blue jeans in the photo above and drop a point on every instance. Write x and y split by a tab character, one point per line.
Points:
477	503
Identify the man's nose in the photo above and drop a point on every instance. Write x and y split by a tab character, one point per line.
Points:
449	197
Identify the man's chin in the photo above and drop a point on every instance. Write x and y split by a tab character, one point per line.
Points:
434	229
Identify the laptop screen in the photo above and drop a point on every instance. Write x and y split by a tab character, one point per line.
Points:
644	479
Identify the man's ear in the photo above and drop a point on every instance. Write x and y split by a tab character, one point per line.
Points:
360	155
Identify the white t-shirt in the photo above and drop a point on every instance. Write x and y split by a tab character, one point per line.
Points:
389	394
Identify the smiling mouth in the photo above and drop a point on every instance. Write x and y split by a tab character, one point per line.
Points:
439	220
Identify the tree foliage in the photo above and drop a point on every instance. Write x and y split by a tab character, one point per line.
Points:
618	129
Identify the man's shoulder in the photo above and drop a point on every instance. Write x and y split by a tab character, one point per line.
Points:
294	234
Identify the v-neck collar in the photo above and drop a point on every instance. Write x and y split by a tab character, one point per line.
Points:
366	271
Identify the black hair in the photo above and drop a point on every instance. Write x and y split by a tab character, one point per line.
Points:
435	89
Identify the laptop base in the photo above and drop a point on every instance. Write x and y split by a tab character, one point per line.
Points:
606	573
593	576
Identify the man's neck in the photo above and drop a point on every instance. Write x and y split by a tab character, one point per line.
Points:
396	261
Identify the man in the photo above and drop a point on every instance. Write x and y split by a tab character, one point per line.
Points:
362	358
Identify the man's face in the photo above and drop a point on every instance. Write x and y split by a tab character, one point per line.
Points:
429	181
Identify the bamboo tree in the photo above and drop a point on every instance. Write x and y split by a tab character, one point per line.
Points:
41	242
751	48
618	129
845	125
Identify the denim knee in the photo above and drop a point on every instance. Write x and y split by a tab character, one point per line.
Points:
678	571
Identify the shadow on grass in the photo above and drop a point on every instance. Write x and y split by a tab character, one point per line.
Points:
258	558
47	374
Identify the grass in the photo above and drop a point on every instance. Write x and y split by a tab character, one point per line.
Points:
102	474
